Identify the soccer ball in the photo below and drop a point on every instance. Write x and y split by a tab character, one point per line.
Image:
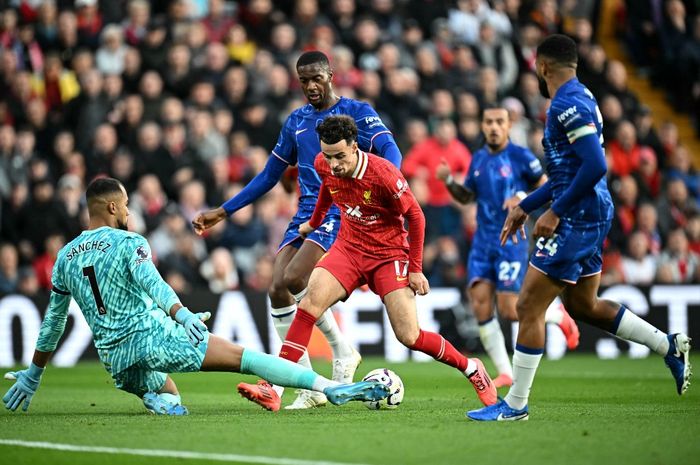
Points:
396	390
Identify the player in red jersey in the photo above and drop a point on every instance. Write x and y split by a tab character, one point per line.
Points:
373	248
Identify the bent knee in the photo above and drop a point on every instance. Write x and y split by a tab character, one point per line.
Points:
507	309
408	337
294	281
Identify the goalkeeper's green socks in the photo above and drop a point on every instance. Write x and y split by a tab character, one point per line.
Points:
276	370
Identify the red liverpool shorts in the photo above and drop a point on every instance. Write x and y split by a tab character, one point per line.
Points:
353	269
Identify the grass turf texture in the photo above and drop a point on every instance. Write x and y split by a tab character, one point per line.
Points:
583	410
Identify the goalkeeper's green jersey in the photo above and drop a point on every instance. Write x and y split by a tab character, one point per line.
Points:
110	274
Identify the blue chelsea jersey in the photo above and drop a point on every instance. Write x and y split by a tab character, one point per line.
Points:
574	113
298	142
496	177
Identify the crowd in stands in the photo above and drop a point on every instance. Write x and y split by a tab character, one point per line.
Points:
182	100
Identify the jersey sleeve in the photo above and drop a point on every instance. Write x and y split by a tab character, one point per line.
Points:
56	313
397	188
576	120
469	181
138	256
286	147
406	204
531	166
369	126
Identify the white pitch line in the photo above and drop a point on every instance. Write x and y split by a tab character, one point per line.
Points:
235	458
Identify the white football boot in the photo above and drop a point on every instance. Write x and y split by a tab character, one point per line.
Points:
344	368
307	399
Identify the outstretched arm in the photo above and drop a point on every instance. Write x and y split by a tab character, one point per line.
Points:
537	198
27	381
459	192
256	188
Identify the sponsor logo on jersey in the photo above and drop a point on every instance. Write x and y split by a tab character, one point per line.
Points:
354	213
566	113
299	131
373	121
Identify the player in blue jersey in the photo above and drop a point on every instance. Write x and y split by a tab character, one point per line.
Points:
499	176
140	329
570	234
298	144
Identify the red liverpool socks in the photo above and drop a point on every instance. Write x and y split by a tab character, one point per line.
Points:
440	349
298	336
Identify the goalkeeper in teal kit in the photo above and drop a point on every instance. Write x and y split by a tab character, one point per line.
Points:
141	330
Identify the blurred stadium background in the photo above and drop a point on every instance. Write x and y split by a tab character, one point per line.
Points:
182	101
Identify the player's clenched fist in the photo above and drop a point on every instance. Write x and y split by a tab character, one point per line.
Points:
419	283
208	219
305	229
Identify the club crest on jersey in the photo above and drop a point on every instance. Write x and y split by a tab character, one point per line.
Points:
367	198
505	171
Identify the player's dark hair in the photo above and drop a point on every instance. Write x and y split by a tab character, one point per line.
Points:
492	106
103	187
333	129
313	57
560	49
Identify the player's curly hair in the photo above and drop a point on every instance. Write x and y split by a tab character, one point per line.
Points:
335	128
560	49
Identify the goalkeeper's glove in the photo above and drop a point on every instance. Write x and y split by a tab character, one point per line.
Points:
26	384
193	323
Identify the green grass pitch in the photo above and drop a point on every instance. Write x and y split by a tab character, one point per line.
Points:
582	410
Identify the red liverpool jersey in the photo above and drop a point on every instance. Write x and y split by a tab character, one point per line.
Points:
373	202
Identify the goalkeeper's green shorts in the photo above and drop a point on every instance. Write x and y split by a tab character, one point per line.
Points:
167	350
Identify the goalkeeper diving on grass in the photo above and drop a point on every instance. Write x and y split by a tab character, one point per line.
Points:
141	330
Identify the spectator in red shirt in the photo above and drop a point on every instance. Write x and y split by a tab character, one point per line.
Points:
422	161
217	22
43	264
625	150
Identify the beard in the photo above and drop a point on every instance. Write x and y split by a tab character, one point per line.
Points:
123	226
543	87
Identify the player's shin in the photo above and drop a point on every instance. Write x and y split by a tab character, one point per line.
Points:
630	327
440	349
329	327
495	345
282	372
525	363
282	319
298	336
